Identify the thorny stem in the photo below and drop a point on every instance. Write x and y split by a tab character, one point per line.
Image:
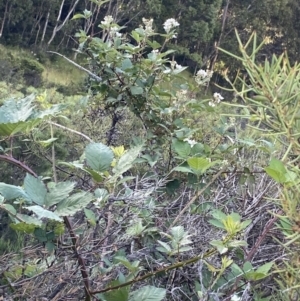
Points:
162	270
19	164
67	222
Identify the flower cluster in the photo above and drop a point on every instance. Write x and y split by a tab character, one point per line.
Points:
203	77
148	26
170	24
175	65
217	97
107	21
114	32
191	142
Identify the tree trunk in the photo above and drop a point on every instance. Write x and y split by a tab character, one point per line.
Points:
58	27
4	18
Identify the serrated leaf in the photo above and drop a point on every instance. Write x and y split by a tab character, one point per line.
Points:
182	148
58	192
35	189
11	192
120	294
14	111
166	248
148	293
200	164
126	161
136	229
219	246
98	156
73	204
43	213
28	219
183	169
101	193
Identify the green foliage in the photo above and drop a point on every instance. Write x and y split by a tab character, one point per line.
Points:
123	228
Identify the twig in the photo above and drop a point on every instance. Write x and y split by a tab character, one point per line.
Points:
91	74
70	130
196	196
18	164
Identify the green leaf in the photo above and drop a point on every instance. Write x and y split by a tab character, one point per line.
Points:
136	90
219	215
43	213
219	246
47	142
126	160
277	165
247	266
136	229
90	215
98	156
11	192
182	169
78	16
126	64
15	115
199	164
148	293
136	36
74	203
237	243
217	223
35	189
165	247
28	219
14	111
275	174
254	276
183	149
58	192
101	193
9	208
23	227
120	294
265	268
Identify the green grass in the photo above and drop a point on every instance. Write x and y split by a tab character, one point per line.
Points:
57	70
61	72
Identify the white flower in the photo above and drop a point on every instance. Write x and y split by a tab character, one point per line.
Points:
211	104
155	51
170	24
235	298
190	142
202	73
148	26
178	66
114	31
107	20
218	97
